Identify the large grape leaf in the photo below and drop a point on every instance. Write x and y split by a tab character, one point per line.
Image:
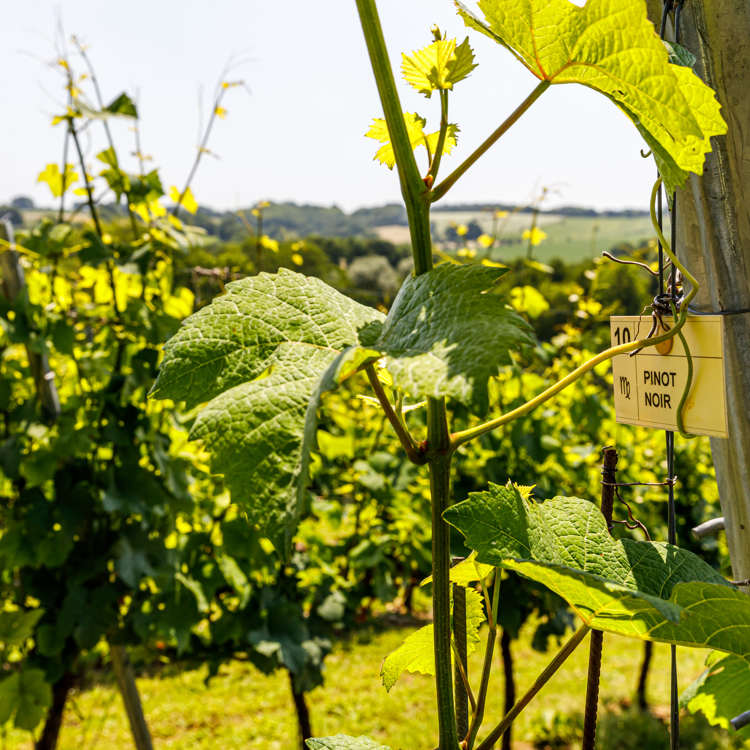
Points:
721	693
256	355
646	590
417	652
446	334
344	742
612	47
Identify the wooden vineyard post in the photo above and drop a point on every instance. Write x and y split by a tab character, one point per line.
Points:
713	234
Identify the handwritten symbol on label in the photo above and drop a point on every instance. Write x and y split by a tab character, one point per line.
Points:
625	387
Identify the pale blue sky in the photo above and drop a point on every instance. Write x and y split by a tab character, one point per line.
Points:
299	134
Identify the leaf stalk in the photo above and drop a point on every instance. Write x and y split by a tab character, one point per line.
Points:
457	173
407	441
538	684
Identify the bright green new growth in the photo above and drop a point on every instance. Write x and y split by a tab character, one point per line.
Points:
429	337
721	692
344	742
466	572
415	128
256	355
438	66
611	46
417	652
648	590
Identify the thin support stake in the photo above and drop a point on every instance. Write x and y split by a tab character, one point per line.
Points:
459	632
609	466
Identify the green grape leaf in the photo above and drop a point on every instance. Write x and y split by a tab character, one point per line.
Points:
122	106
16	627
647	590
674	164
678	55
415	128
344	742
610	46
417	652
438	66
432	338
27	695
256	355
721	693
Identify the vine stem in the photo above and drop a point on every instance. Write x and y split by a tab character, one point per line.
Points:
538	684
439	451
439	461
412	186
457	173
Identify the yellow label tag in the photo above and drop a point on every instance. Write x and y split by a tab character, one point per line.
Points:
649	386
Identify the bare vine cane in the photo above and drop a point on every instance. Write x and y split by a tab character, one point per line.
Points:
609	467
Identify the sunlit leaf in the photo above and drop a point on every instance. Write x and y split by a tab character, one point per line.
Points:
430	335
52	176
721	693
466	572
415	129
647	590
438	66
612	47
527	299
535	236
185	199
256	355
417	652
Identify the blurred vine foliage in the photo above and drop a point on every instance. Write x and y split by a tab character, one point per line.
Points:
113	529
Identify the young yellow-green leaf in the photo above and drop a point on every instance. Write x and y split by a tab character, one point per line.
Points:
256	355
344	742
415	129
438	66
466	572
52	176
610	46
417	652
188	202
721	693
446	334
647	590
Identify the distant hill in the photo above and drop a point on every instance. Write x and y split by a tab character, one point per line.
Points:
573	233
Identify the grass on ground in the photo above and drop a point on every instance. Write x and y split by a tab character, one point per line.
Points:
241	708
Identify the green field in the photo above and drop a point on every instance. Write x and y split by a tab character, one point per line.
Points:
244	709
569	238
